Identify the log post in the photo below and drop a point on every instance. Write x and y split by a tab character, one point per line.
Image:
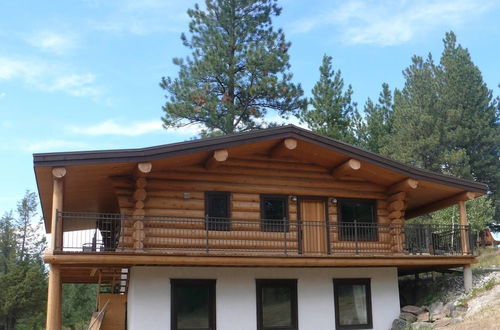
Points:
464	233
467	278
396	206
58	174
54	312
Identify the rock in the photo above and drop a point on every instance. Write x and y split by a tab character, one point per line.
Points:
408	317
399	324
441	323
415	310
436	308
424	317
456	314
448	308
421	326
439	316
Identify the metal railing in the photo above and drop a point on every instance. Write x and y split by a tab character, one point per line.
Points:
116	233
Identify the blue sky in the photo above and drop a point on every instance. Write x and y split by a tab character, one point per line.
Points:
81	75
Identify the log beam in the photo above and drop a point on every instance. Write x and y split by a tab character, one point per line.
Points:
54	310
431	207
349	167
143	169
217	157
58	174
284	147
405	185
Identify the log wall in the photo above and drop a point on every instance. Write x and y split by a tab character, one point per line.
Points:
179	193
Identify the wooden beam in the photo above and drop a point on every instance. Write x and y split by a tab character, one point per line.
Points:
58	174
431	207
54	315
463	223
142	169
349	167
216	158
283	147
127	260
404	185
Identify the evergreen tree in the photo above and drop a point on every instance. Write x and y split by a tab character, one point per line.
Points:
378	120
238	69
8	242
79	302
333	113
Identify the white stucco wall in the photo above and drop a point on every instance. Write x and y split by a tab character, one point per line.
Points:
149	295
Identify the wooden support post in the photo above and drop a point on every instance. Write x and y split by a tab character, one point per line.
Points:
139	197
396	208
464	233
216	159
54	308
283	147
349	167
56	230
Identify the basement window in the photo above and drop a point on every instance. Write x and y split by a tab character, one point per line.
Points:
277	304
353	307
274	212
192	304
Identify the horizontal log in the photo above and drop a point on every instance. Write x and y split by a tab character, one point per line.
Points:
274	164
347	168
237	206
170	213
215	234
262	180
465	196
397	205
176	194
175	203
245	215
245	197
400	196
139	195
259	189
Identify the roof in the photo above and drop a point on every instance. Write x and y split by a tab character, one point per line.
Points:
214	143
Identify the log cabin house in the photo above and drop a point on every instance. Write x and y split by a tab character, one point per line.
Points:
273	229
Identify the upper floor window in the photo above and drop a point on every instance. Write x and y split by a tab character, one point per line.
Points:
274	212
357	219
217	210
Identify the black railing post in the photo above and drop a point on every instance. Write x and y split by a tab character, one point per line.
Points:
284	232
356	236
206	234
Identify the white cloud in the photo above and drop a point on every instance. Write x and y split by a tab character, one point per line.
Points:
49	77
53	42
111	127
52	144
2	95
392	22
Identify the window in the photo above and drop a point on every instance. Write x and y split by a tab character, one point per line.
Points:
217	210
357	220
276	304
353	307
192	304
274	212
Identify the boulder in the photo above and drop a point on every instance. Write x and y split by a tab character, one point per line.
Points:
399	324
439	316
448	308
436	308
442	323
424	317
415	310
421	326
408	317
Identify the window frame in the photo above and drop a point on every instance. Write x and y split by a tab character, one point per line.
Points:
373	203
369	311
226	226
292	284
212	308
269	227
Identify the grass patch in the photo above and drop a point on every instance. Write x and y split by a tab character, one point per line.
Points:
488	257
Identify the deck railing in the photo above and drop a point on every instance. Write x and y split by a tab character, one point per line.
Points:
116	233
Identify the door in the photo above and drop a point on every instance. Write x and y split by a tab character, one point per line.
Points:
313	222
217	210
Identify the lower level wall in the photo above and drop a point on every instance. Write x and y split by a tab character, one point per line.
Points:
149	295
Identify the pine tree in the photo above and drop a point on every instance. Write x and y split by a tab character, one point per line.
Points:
378	120
333	113
237	72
